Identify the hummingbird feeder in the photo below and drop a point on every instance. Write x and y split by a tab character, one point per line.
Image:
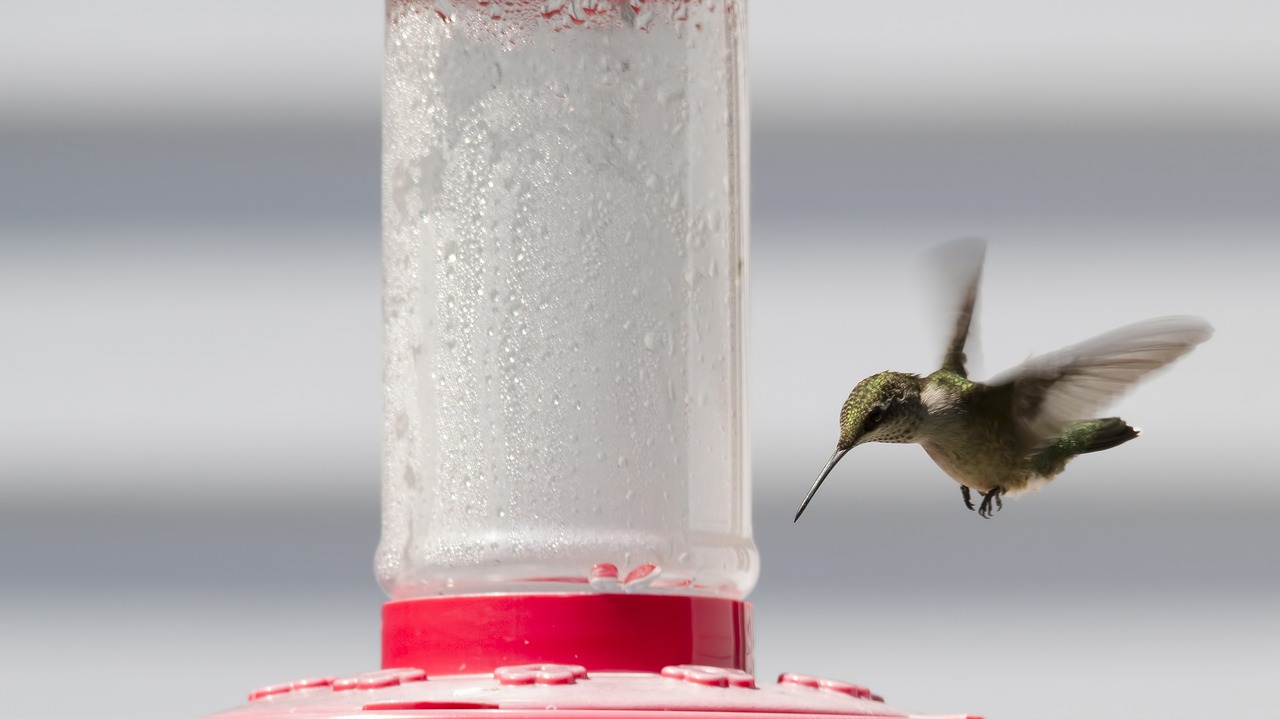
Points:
566	524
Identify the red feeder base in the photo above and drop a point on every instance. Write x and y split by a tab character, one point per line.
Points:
613	632
570	656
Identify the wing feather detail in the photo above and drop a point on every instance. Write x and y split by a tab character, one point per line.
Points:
957	269
1053	390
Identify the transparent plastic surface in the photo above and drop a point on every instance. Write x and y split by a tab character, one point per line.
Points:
565	273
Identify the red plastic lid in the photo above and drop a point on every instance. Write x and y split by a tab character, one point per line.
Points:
607	632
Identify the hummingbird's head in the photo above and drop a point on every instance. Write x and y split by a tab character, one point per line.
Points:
884	407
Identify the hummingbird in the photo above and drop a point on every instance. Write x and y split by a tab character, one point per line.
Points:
1018	431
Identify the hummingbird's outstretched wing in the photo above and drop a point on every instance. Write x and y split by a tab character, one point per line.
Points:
958	271
1049	392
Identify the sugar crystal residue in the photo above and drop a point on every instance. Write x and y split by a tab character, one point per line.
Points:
563	350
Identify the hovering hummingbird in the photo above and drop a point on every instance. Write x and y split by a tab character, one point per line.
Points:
1017	432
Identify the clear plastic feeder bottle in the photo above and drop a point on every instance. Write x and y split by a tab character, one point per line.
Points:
565	273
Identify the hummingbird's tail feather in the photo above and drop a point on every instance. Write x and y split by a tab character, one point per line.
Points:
1092	435
818	482
1103	434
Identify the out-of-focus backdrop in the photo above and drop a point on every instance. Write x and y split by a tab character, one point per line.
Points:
189	348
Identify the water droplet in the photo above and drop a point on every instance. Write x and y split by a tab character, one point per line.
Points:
644	18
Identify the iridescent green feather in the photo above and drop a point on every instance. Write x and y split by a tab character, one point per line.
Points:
1092	435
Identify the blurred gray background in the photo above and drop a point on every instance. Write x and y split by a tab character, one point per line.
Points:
189	346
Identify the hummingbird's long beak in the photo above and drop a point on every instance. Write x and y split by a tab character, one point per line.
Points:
818	483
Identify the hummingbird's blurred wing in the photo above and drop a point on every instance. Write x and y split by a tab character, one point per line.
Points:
1053	390
957	271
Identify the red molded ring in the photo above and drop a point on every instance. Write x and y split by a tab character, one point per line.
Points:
602	632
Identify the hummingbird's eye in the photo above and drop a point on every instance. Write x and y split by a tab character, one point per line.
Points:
874	417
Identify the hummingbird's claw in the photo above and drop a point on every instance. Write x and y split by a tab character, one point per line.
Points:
985	509
964	492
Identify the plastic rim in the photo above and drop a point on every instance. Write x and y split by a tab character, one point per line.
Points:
604	632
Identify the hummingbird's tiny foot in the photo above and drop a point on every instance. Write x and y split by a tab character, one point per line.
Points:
964	492
986	509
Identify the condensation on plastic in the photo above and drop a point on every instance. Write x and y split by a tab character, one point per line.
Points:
564	228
